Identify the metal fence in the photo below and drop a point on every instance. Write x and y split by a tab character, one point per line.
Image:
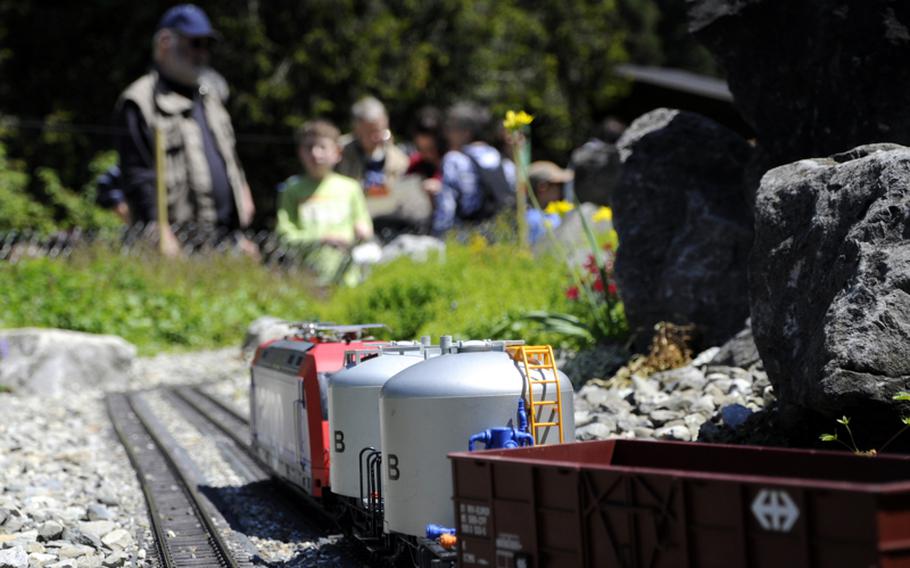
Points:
137	239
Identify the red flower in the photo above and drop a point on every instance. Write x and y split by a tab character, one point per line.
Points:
612	289
598	285
572	293
591	264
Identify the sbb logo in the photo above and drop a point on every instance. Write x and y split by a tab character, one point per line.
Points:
775	510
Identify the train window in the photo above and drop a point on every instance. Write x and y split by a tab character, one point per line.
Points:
323	379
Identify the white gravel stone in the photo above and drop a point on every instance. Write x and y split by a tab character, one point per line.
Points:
15	557
704	404
74	550
671	404
35	547
115	560
705	357
583	417
593	431
98	512
118	539
662	416
38	559
678	432
90	561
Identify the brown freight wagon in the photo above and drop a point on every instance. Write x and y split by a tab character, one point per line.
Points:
637	504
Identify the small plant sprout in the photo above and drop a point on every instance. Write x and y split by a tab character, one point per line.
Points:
905	420
845	422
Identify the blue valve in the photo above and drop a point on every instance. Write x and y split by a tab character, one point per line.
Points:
522	416
496	438
436	531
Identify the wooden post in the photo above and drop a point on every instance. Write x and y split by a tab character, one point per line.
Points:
161	186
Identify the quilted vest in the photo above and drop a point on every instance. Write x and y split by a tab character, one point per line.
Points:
187	176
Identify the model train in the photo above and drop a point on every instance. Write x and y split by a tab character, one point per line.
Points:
365	427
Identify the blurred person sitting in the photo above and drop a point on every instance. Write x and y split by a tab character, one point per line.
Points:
205	182
429	147
323	210
371	157
476	182
109	193
548	182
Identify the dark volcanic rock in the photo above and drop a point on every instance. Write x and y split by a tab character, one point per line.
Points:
683	225
812	77
830	279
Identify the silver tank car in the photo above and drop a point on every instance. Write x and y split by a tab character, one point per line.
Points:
433	408
354	407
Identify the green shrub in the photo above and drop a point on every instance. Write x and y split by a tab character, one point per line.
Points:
61	207
17	210
472	291
155	303
467	292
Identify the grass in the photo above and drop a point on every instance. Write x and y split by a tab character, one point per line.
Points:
165	305
156	304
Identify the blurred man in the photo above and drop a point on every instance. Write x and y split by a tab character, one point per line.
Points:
548	182
372	157
205	182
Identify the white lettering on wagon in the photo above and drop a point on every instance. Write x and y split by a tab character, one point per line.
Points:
508	541
474	519
775	510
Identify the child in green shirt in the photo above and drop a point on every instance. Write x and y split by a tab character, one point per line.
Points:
321	209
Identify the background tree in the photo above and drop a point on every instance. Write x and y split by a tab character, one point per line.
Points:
64	64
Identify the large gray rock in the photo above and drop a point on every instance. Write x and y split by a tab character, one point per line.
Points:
684	226
811	77
53	362
830	279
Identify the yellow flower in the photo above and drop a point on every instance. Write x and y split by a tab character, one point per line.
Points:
517	120
477	243
603	214
559	207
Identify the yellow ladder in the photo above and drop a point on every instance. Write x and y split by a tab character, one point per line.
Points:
540	358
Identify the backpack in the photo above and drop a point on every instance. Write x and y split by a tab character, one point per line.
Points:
498	193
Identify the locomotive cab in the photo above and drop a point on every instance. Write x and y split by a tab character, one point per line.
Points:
289	406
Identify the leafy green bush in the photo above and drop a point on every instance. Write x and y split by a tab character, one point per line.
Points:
472	291
155	303
17	210
466	293
61	207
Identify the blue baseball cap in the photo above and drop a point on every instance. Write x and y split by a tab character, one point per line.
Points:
188	20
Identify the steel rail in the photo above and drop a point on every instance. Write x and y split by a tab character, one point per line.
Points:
185	533
237	428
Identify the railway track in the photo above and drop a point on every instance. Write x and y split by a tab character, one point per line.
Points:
183	528
228	420
206	411
296	519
